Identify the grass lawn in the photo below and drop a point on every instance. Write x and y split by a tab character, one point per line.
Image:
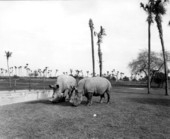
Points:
132	114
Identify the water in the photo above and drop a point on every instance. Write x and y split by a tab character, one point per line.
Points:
11	97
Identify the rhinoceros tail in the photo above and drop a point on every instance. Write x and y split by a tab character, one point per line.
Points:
108	91
108	96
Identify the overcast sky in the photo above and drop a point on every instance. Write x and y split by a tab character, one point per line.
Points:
56	33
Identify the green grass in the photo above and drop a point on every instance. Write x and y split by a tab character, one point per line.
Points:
132	114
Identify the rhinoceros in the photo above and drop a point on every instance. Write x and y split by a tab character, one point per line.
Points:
63	87
88	87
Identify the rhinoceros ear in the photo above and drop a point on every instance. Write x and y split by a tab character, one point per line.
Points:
57	86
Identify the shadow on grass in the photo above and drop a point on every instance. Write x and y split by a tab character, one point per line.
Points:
130	92
62	103
49	102
152	101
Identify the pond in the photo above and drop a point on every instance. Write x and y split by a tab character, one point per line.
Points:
11	97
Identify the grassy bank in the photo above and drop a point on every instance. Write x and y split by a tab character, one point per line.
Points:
26	83
42	83
131	114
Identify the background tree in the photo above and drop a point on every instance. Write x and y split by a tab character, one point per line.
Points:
99	41
148	9
35	73
159	10
77	73
71	72
56	72
91	25
2	71
87	73
159	78
140	65
40	72
8	55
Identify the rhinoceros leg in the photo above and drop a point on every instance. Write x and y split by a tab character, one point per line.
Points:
89	98
108	96
101	97
66	94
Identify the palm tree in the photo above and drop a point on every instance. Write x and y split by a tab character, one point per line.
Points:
113	72
1	71
148	9
82	73
71	72
77	73
159	10
100	37
15	70
40	72
87	73
121	75
107	73
26	68
117	75
8	55
91	25
20	70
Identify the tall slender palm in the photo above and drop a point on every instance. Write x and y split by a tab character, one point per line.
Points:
71	72
15	70
56	72
1	71
100	37
20	70
91	25
8	55
159	10
117	75
87	73
148	9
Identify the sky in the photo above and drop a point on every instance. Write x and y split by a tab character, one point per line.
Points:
56	33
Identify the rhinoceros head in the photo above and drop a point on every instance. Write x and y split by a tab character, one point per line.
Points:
55	88
76	97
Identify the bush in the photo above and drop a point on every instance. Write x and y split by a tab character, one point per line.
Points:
113	78
159	78
125	78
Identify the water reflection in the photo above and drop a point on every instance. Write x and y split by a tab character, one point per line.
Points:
10	97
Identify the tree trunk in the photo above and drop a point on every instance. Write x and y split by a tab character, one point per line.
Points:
100	60
165	66
159	26
149	51
92	44
9	74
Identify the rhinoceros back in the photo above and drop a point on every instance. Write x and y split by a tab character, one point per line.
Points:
81	85
65	82
97	85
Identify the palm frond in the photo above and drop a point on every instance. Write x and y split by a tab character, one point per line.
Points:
8	54
145	7
142	5
159	8
91	23
102	31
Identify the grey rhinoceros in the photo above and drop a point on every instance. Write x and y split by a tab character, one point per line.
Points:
63	87
88	87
